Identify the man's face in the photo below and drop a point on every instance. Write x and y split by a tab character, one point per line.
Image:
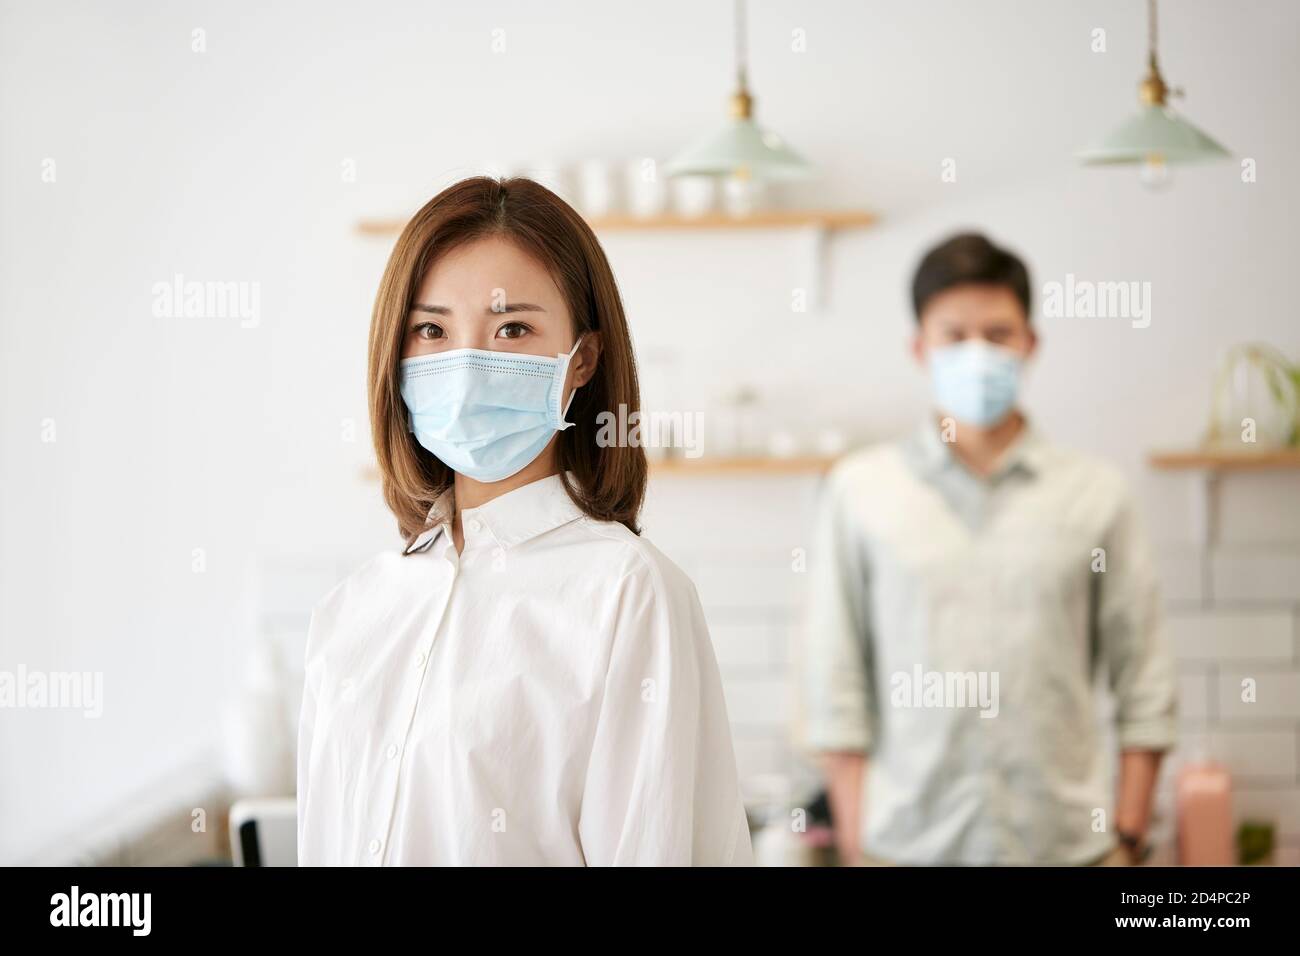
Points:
965	312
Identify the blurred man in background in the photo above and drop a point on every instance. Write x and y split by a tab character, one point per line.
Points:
972	585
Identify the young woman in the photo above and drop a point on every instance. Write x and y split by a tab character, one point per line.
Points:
528	681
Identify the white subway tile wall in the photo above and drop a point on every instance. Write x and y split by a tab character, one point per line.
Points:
1236	635
1237	641
1263	574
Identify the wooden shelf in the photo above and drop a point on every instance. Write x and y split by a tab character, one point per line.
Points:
741	467
828	220
1212	459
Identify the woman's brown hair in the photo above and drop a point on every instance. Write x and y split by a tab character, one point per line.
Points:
609	482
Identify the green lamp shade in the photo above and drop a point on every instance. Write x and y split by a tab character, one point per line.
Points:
1154	133
740	149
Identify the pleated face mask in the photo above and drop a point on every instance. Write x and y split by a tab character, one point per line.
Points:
975	382
486	415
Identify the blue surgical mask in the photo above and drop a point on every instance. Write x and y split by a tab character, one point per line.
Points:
974	382
486	415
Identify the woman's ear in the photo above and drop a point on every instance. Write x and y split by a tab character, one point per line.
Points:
583	364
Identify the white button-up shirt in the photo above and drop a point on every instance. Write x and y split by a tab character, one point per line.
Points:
549	696
1036	577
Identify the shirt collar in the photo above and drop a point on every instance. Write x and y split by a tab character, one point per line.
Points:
507	520
932	454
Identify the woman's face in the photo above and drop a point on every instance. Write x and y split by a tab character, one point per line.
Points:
488	294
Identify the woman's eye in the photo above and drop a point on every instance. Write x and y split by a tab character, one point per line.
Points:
427	330
512	330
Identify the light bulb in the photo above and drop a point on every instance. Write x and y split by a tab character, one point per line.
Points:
1155	173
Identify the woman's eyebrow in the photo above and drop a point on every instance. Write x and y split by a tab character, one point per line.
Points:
516	307
498	310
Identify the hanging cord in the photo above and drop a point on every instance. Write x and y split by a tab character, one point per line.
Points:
1151	30
742	57
1153	91
742	104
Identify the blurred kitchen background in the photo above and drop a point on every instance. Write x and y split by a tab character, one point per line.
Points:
178	492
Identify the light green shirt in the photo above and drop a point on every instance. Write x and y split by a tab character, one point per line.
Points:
957	630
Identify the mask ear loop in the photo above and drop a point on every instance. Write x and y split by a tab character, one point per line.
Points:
562	371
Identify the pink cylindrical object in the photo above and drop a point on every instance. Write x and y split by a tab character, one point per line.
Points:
1204	793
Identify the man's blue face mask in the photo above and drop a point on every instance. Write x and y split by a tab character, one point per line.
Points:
974	382
486	415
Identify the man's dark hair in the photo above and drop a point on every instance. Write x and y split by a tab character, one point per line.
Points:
968	259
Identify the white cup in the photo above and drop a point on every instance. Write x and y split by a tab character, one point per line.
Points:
647	192
694	196
597	193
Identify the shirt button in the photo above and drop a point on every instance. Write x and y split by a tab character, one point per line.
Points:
392	751
475	525
419	659
374	846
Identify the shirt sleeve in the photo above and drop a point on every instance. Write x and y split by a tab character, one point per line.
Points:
661	787
836	688
1131	638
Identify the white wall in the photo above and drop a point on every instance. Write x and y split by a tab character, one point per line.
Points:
176	434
